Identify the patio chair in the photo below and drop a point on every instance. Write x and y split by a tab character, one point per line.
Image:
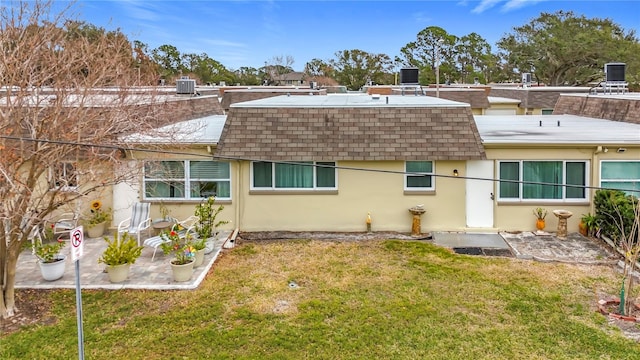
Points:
183	228
65	223
138	221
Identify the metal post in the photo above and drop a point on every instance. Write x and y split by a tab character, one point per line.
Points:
79	312
440	41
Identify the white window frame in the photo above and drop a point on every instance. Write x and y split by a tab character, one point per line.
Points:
618	180
408	174
186	180
564	198
62	165
273	187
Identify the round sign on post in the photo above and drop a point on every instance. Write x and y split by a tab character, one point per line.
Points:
77	243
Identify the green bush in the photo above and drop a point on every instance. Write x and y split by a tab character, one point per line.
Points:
615	211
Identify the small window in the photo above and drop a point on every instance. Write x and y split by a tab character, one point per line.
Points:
186	179
623	175
286	176
543	180
419	175
547	111
63	176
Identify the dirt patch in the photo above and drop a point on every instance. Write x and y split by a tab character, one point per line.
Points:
33	308
338	236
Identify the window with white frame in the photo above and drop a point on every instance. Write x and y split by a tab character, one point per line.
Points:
623	175
307	175
419	176
187	179
543	180
63	176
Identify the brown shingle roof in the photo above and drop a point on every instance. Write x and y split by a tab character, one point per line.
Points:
318	128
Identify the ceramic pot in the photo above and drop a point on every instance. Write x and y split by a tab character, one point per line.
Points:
199	259
182	272
96	230
118	273
540	224
53	270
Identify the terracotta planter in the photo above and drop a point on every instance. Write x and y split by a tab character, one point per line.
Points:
582	227
182	272
118	273
53	270
199	259
97	230
540	224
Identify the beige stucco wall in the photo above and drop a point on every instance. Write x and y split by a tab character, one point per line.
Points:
359	192
519	216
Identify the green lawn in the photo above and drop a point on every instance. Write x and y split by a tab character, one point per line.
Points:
354	300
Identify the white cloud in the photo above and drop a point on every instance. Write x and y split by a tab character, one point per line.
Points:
517	4
485	5
224	43
421	17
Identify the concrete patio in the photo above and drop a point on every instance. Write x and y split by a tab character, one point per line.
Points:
145	274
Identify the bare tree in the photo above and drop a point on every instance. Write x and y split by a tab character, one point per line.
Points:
51	113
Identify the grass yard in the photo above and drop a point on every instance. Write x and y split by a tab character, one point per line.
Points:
353	300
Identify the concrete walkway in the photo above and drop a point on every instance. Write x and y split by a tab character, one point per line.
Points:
145	274
540	246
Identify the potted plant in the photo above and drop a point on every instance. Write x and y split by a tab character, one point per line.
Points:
97	219
47	250
540	214
588	224
207	226
119	255
199	245
183	253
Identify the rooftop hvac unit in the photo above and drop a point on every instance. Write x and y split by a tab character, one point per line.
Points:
526	79
185	86
614	71
409	76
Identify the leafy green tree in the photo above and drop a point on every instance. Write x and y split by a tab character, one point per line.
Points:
168	59
353	68
432	46
470	54
564	49
248	76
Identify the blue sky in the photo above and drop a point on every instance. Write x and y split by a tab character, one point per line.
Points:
248	33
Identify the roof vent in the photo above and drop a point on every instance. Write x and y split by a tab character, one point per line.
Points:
375	96
185	86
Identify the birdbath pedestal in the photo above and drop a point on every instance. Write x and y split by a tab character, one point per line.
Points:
562	216
417	211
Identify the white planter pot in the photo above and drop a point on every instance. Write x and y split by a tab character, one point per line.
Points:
199	259
182	272
118	273
96	230
54	270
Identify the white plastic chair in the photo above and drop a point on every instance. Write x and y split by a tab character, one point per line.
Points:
138	221
65	223
186	226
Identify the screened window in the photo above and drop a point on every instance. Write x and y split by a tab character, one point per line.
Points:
63	176
187	179
623	175
542	180
303	175
547	111
419	175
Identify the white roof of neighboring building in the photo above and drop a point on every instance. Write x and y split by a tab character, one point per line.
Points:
555	129
350	100
204	130
502	100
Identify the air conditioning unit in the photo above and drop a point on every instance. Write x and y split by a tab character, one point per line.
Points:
526	79
614	71
409	76
185	86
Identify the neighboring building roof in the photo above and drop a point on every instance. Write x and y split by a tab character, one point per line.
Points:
555	129
292	76
350	127
205	130
253	93
617	107
543	97
502	100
